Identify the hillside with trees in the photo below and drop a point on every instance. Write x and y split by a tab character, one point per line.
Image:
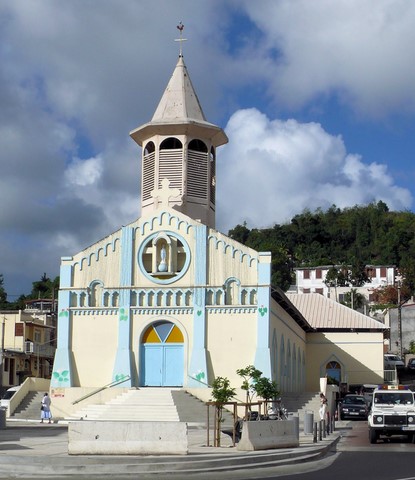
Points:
43	288
355	236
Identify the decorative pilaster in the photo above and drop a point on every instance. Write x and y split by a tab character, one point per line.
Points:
123	358
62	364
198	364
263	352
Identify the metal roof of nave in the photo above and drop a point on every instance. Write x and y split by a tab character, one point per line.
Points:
325	314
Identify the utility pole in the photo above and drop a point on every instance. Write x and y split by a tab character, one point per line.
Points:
400	320
3	323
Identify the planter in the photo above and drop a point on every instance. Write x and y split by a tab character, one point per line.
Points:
268	434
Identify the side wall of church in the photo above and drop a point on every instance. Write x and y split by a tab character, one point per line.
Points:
288	351
356	357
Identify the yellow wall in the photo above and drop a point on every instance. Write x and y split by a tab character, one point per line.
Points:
292	336
359	354
94	346
231	341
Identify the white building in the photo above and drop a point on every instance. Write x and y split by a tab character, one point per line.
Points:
312	280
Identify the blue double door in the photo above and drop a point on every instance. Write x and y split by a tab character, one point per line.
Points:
162	365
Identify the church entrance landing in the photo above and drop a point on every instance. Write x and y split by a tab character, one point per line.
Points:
162	358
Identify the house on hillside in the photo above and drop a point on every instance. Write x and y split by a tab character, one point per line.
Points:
313	280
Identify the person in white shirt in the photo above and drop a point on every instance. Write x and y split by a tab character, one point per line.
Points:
45	413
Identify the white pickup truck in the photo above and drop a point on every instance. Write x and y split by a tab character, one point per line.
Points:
392	413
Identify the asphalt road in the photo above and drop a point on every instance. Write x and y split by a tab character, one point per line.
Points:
354	458
357	459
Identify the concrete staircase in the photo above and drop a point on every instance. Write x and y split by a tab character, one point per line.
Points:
152	404
29	407
135	405
301	402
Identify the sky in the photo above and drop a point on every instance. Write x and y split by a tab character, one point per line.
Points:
317	99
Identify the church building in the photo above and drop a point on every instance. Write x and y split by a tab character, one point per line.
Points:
169	301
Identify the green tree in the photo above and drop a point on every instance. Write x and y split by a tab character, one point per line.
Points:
45	287
250	375
240	233
266	389
353	300
3	294
222	392
353	237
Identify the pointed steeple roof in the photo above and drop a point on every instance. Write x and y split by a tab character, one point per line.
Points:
179	109
179	101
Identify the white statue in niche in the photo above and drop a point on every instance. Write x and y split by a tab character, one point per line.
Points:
162	266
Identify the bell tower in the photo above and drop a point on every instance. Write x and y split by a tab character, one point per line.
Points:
179	153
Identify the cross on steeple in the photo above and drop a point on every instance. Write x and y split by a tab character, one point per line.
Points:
164	193
180	27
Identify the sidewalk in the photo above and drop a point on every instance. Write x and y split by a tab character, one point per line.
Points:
30	449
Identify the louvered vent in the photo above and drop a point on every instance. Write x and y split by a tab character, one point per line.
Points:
148	175
197	174
212	178
170	166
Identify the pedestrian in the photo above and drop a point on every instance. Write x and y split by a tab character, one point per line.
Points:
45	413
323	406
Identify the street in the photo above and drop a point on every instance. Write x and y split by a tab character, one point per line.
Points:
354	458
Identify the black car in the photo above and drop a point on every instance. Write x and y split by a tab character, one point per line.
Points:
354	406
411	364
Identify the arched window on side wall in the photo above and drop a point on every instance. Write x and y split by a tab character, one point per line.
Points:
334	373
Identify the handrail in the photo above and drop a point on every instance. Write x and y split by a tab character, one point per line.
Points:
100	389
200	381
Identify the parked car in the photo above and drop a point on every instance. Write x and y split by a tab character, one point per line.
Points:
411	364
5	400
354	406
391	361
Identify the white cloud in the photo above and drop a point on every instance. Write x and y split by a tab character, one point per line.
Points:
84	172
272	170
361	50
75	79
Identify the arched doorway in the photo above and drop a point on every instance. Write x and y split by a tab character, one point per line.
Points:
162	355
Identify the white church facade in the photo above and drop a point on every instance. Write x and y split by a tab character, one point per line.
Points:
168	301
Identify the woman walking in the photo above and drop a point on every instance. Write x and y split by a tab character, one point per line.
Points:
45	413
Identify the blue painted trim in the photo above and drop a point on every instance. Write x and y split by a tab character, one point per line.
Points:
62	365
65	275
198	355
123	358
263	351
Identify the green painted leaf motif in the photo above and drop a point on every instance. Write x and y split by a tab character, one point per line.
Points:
64	313
262	310
200	375
56	374
65	373
199	312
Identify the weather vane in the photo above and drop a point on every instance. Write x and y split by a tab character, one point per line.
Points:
180	27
